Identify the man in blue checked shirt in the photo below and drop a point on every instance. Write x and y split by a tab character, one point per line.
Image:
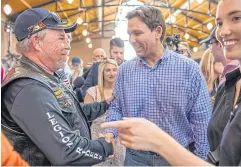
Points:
161	86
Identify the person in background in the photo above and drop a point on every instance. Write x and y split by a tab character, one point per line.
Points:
212	71
104	89
117	47
184	49
40	116
218	54
161	86
99	55
77	68
116	53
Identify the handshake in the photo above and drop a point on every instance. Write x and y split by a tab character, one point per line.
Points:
109	138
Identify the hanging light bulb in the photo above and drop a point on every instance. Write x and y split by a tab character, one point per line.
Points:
79	20
186	36
84	32
209	26
90	45
199	1
87	40
7	9
70	1
195	49
172	19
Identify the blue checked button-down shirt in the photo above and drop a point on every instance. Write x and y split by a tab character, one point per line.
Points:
173	95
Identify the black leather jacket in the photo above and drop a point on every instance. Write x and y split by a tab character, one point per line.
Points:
44	121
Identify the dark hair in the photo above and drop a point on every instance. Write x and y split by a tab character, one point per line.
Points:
151	16
117	42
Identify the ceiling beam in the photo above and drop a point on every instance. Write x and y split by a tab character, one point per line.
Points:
181	26
192	18
159	6
92	33
14	16
26	4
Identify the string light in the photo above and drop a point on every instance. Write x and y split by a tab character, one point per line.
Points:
84	32
79	20
90	45
186	36
70	1
87	40
209	26
7	9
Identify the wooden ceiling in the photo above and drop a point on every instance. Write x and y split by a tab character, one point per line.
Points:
192	16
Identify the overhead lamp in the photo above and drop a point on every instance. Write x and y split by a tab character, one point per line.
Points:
195	49
90	45
79	20
172	19
186	36
84	32
7	9
70	1
199	1
209	26
87	40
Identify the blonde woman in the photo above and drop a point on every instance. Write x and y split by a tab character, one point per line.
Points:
211	70
104	89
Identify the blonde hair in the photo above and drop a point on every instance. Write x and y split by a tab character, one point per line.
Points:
101	75
206	65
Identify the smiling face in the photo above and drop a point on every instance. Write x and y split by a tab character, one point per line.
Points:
143	40
228	21
55	48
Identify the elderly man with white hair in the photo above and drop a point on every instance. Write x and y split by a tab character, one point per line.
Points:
41	117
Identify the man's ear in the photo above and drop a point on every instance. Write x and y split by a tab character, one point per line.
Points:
158	31
36	43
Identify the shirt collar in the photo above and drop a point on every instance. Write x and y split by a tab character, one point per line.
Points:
162	58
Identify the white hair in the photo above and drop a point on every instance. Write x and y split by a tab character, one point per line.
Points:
25	45
99	49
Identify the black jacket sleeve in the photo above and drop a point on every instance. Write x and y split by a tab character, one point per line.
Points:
91	79
94	110
37	112
230	148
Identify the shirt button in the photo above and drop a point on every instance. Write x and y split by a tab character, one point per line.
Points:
151	86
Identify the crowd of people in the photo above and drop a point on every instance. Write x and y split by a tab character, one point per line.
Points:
161	108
